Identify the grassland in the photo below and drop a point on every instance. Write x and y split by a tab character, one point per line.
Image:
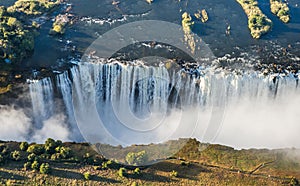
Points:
194	164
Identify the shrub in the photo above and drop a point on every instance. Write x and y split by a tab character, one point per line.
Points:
3	149
134	184
32	157
27	165
58	29
35	165
16	155
24	146
55	156
174	173
137	171
138	158
64	152
122	172
294	182
50	146
87	176
11	21
45	168
36	149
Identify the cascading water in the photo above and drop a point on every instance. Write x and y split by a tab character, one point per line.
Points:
42	97
156	102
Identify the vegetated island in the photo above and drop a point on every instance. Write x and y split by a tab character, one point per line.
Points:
258	22
281	10
57	163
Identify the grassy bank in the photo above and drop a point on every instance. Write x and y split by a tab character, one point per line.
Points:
56	163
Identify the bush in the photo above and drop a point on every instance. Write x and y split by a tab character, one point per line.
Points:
134	184
50	146
174	173
24	146
64	152
138	158
122	172
87	176
16	155
32	157
3	149
27	165
35	165
137	171
294	182
45	168
55	156
36	149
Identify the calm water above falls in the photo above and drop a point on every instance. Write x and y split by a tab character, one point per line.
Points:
250	108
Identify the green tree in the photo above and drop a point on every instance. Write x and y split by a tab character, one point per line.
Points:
137	171
122	172
31	157
138	158
45	168
64	152
12	21
174	173
24	146
27	165
87	176
2	11
35	165
36	149
16	155
50	146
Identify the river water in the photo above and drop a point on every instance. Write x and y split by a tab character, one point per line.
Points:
251	108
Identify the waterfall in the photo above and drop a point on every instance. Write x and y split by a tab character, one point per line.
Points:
109	102
42	100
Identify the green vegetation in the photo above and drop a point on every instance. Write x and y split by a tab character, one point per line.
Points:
174	173
281	10
187	24
24	146
87	176
36	149
45	168
137	171
35	165
194	164
122	172
202	15
136	159
27	166
16	155
258	22
33	7
60	23
14	33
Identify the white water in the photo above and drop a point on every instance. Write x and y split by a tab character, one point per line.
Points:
125	105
